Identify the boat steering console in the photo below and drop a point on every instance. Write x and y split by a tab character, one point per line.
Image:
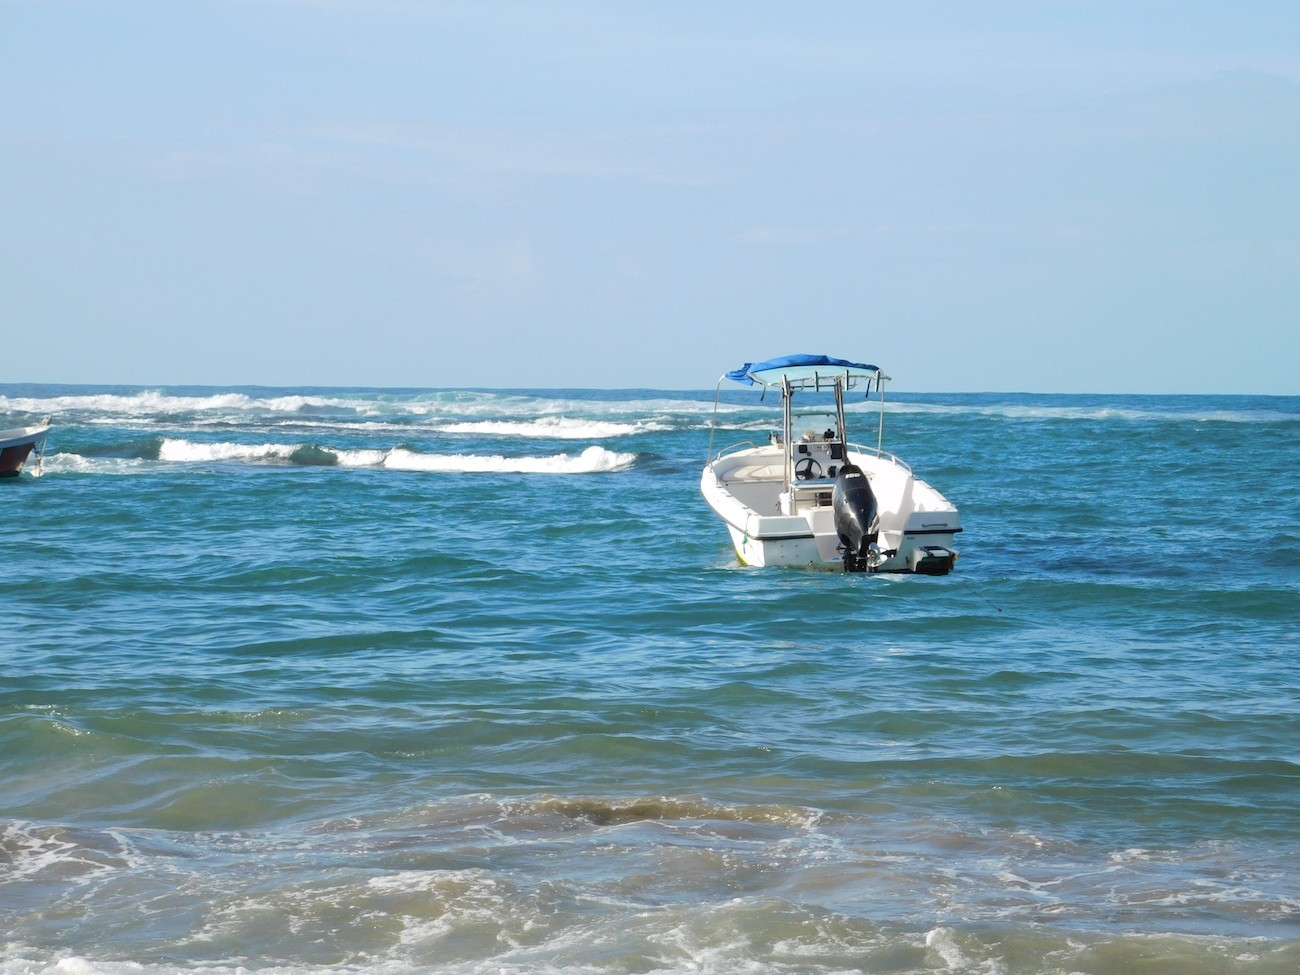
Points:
807	469
817	457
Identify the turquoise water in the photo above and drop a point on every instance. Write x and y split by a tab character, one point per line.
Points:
325	680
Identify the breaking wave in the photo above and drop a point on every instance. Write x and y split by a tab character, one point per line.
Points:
1085	413
545	412
592	460
551	884
600	811
576	415
555	427
158	403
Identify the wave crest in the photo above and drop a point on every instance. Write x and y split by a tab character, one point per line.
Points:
593	460
555	427
170	450
156	403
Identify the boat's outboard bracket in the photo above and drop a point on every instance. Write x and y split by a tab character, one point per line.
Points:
932	560
857	519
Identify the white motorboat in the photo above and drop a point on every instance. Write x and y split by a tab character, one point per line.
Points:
17	444
810	497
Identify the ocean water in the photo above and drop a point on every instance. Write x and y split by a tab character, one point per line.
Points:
396	681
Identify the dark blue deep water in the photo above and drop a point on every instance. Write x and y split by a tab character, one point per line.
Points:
397	681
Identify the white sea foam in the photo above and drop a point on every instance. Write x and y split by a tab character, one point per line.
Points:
29	852
66	463
186	451
360	458
1132	855
592	460
155	402
555	427
943	942
658	406
1024	411
493	413
399	915
536	415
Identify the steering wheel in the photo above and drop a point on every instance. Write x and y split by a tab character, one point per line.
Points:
804	469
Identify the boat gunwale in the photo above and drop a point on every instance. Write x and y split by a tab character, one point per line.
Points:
741	446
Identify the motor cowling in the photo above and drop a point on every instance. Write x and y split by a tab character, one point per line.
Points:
857	518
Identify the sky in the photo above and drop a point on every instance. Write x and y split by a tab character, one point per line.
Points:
1045	196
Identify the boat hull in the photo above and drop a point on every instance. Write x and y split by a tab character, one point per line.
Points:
16	446
918	527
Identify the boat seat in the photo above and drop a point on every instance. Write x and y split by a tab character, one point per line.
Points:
755	472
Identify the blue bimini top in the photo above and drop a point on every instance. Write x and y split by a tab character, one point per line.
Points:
803	371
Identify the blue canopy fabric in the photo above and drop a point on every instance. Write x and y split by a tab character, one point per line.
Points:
804	364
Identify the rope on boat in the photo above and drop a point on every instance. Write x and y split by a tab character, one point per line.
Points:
40	452
977	594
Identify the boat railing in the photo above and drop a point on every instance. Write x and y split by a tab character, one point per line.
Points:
860	448
732	448
882	454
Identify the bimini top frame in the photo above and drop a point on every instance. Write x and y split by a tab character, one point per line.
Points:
802	373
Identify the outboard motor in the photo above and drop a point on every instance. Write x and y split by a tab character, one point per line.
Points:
857	521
